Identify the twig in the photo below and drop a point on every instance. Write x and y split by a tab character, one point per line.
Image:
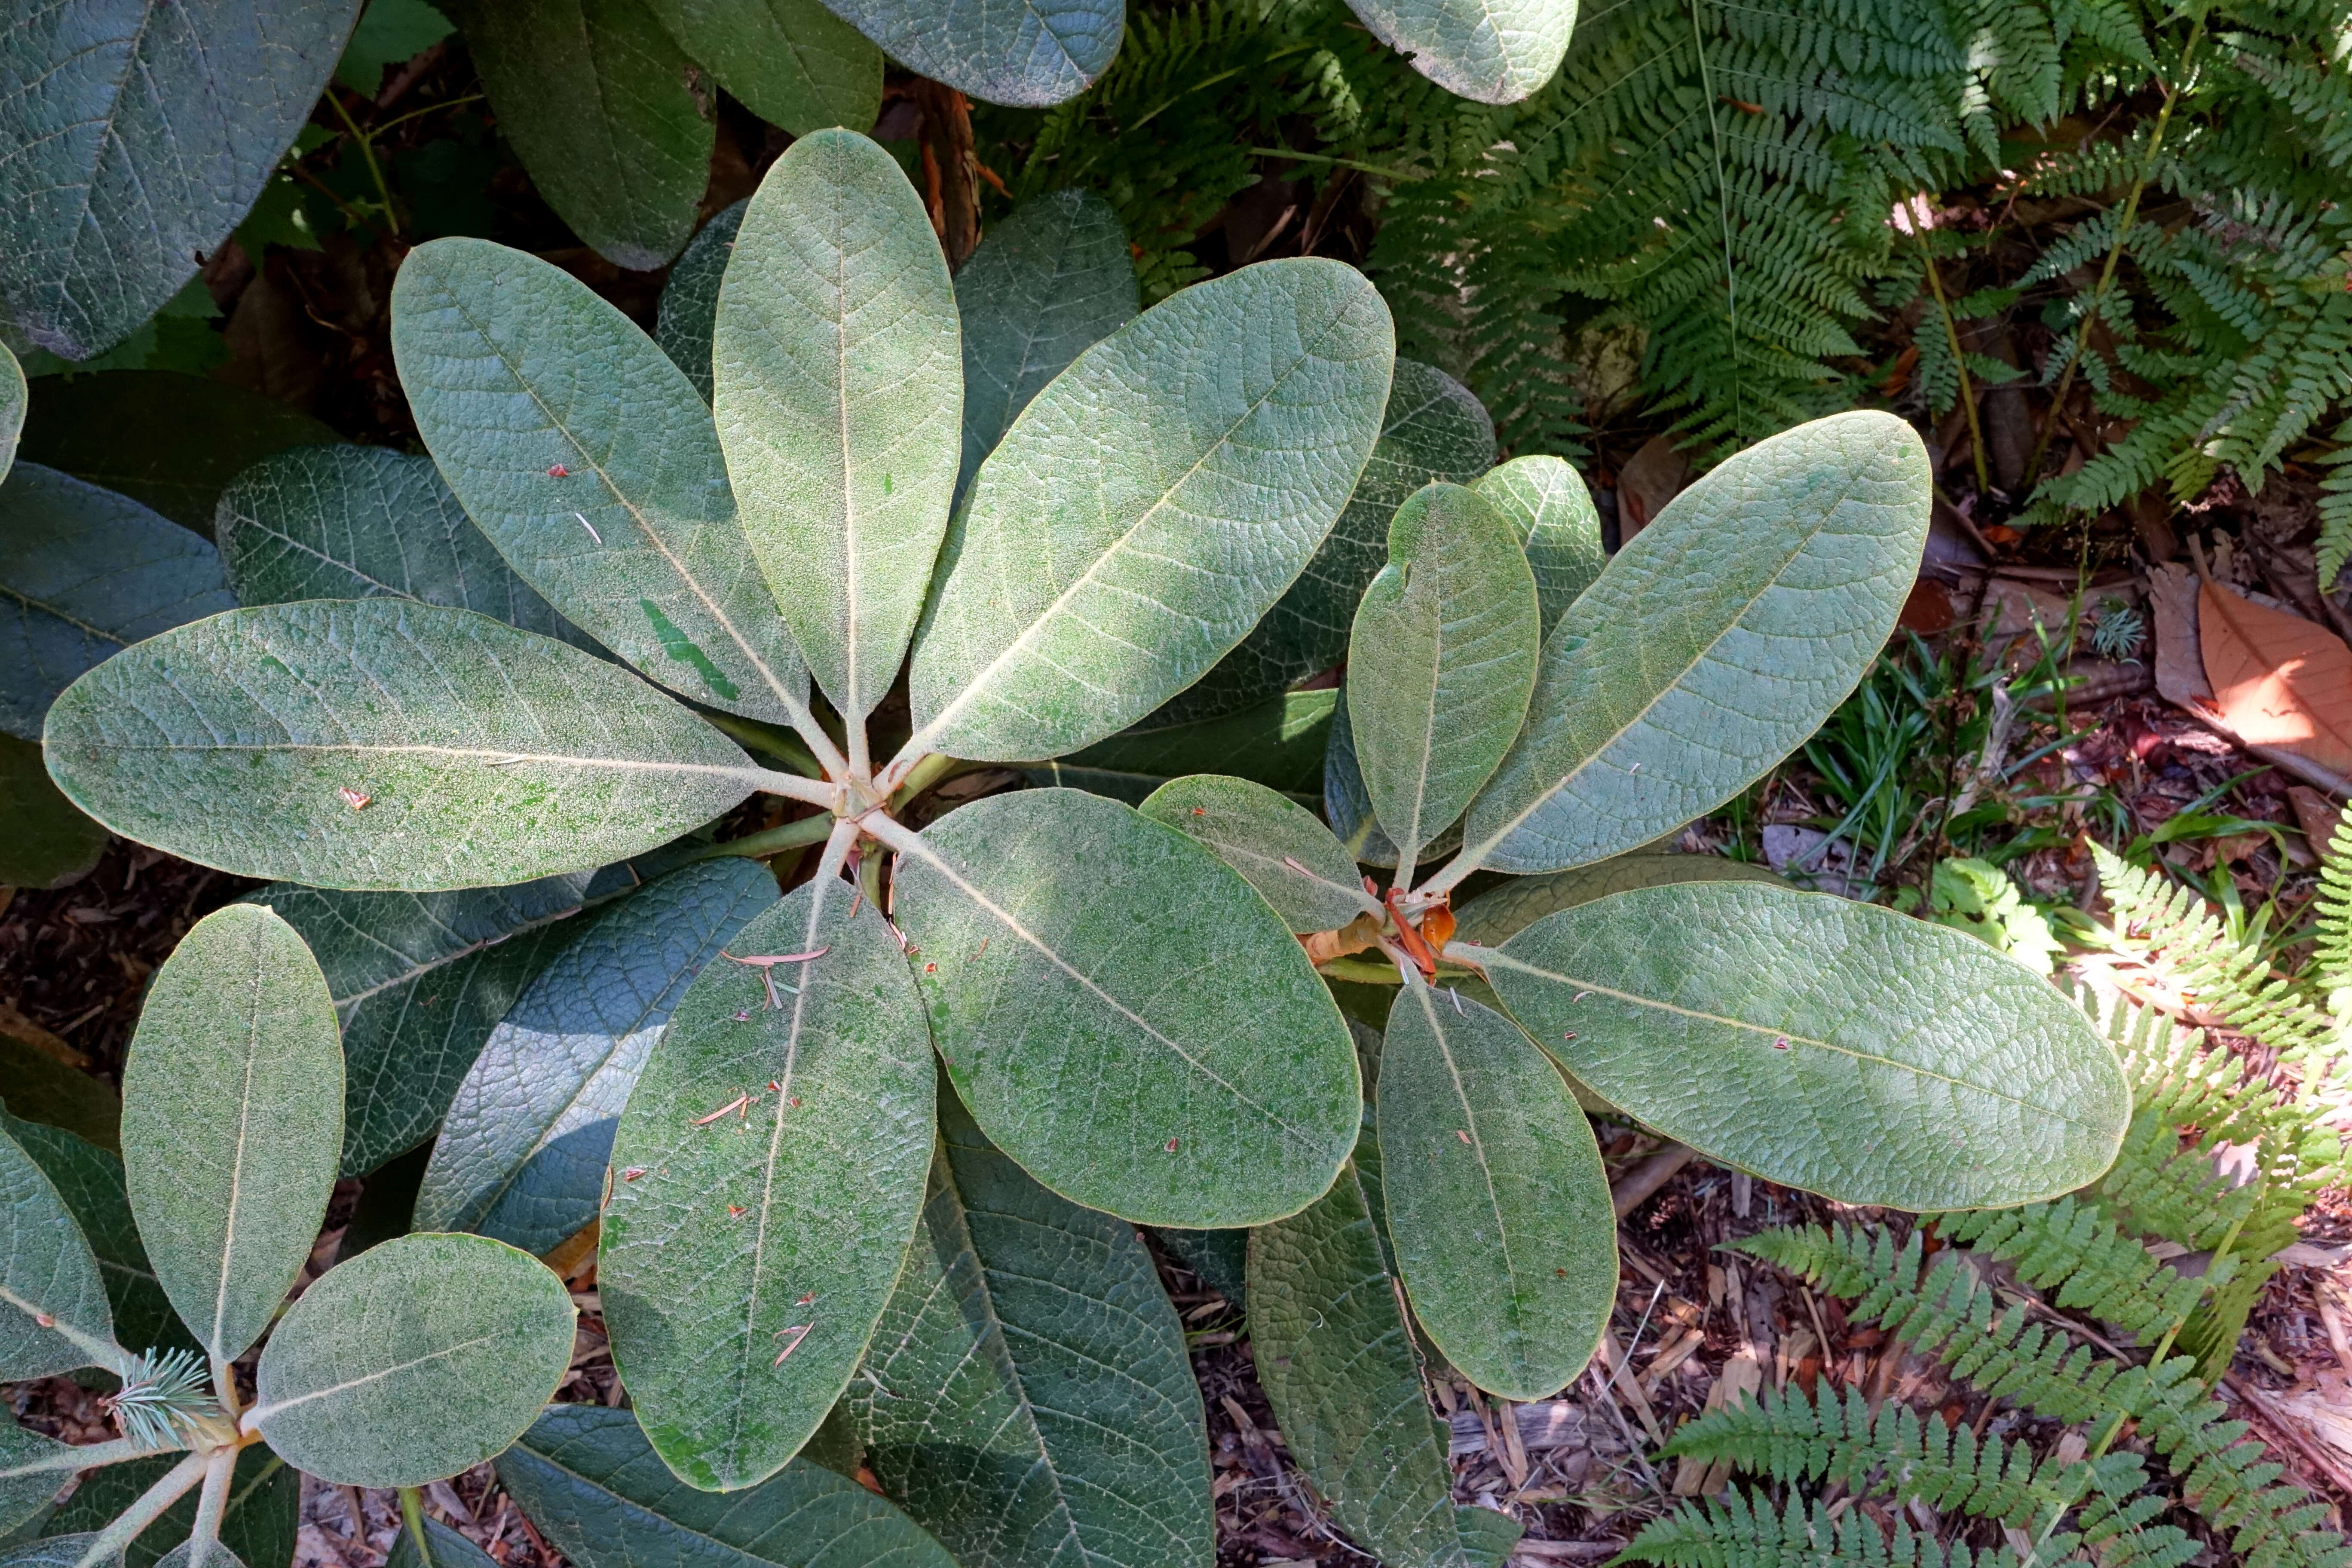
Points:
1643	1180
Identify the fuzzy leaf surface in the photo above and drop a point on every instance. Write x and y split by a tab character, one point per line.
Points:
602	107
1713	644
24	1490
386	744
85	572
587	1476
1023	54
1001	1432
1820	1043
419	1358
1148	507
12	399
419	981
133	137
48	841
791	62
232	1121
836	380
1340	1369
1431	429
690	300
45	1270
1495	51
1493	917
91	1181
1440	661
1046	285
1348	803
515	370
1552	511
1124	1014
366	522
743	1267
521	1155
1278	845
1497	1206
449	1549
55	1551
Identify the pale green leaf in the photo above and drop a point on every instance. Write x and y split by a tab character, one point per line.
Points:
1553	513
778	1153
85	572
1279	743
45	840
55	1551
91	1181
792	62
1349	805
837	381
586	1477
1495	51
1338	1364
1278	845
604	112
366	522
983	1406
514	370
384	743
419	1358
449	1549
1432	430
1123	1013
690	300
261	1517
419	980
46	1272
194	1554
12	407
1148	507
1823	1044
138	132
1497	1206
1440	661
1046	285
232	1120
1500	913
1026	53
1713	644
523	1153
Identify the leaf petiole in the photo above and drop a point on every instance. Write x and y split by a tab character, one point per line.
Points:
176	1484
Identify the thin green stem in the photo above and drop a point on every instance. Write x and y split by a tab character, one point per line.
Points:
781	744
1959	359
412	1514
931	769
396	121
367	152
1402	176
2115	253
176	1483
1723	215
758	845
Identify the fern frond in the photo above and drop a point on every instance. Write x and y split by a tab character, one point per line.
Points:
2075	1254
2336	510
1734	1531
2333	957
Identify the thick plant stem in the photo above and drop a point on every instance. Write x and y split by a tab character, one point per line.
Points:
212	1503
175	1485
791	786
87	1457
922	776
1959	360
2115	256
412	1514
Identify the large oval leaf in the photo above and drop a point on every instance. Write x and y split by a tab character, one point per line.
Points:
1341	1371
1048	283
419	980
85	572
602	107
91	1181
1498	1204
1277	846
1348	804
1493	917
232	1121
1553	513
523	1153
384	744
1441	662
586	1476
792	62
690	300
1148	507
1025	54
1823	1044
1063	937
1495	51
53	1304
1432	430
259	1521
29	1476
421	1357
365	523
45	840
1278	743
836	382
770	1171
1713	644
12	407
585	454
138	132
985	1409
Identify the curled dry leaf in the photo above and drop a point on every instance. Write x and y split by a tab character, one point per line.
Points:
2278	680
